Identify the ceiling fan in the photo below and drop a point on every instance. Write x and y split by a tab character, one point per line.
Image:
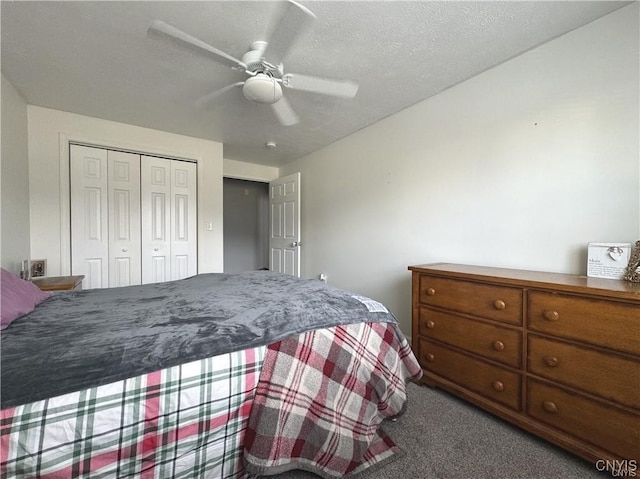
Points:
263	65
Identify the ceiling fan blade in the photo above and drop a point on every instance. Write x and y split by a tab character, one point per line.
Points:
324	86
284	112
158	26
202	102
295	21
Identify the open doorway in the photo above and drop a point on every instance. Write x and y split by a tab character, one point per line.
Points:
246	225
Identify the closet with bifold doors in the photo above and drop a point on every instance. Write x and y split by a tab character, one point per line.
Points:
133	217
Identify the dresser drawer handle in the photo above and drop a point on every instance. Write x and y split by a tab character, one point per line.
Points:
551	361
431	291
498	386
499	304
551	315
430	357
498	345
550	407
431	324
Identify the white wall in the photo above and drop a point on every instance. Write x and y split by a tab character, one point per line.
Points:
519	167
241	170
14	209
50	132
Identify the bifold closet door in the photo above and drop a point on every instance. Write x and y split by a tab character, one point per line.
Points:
124	218
105	216
169	243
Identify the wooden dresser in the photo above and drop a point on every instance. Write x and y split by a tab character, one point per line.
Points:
556	354
59	283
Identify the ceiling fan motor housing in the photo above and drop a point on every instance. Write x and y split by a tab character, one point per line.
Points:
253	59
262	89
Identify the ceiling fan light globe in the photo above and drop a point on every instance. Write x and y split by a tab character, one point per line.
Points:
262	89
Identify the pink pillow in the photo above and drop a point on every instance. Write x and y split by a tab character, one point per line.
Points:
17	297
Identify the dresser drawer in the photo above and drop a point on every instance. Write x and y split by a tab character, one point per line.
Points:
606	323
586	369
494	342
500	303
607	427
494	382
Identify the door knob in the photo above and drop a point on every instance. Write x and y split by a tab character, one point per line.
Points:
155	249
124	250
296	243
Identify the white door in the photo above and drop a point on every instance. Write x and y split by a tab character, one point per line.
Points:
169	219
183	220
284	237
89	215
105	216
133	217
124	218
156	219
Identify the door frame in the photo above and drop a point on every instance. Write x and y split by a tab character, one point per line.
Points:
64	142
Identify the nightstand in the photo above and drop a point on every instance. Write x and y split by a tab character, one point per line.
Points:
59	283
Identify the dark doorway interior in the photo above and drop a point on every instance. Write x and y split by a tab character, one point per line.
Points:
246	225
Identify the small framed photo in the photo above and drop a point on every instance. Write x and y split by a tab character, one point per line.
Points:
37	268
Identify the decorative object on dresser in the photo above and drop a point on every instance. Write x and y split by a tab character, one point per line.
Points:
633	268
555	354
607	260
37	268
25	270
59	283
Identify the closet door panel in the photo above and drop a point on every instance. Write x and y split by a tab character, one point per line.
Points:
89	215
183	220
133	217
124	219
156	219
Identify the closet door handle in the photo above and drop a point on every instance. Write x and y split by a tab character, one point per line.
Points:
124	250
155	249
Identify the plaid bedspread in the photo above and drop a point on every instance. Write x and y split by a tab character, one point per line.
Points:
322	397
185	421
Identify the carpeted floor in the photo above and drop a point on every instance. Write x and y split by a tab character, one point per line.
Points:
446	438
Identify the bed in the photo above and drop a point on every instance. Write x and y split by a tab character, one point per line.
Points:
216	375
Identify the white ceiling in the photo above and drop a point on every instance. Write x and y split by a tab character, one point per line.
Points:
97	59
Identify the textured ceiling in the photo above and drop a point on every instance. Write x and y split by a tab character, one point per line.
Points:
97	59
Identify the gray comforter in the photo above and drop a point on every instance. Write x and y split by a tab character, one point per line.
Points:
81	339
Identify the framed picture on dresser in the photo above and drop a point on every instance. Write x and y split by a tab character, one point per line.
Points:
37	268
